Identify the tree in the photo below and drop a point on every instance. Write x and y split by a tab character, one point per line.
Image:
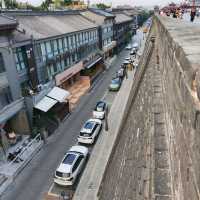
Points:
11	4
102	6
45	4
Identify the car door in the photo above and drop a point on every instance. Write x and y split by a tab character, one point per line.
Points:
96	130
78	166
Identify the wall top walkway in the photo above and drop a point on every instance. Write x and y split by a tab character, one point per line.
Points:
184	41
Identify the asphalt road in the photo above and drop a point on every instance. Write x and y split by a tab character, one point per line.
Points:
37	177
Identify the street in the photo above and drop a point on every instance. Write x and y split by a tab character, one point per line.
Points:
37	177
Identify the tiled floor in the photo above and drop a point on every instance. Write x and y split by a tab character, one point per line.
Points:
77	90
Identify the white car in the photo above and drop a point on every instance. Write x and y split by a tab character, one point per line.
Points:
129	47
90	131
135	46
100	109
71	166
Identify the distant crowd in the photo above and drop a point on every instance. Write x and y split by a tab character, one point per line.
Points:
179	12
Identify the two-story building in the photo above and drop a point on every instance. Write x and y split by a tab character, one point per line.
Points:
13	115
53	64
123	31
104	20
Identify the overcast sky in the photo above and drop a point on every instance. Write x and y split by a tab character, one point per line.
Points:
118	2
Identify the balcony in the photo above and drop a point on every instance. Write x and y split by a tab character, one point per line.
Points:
11	109
109	46
44	90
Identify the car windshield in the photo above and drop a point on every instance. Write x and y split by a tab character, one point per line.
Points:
89	125
100	106
115	81
69	159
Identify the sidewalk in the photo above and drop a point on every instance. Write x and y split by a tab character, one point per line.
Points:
93	174
10	169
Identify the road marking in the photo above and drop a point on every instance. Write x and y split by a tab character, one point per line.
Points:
104	96
51	187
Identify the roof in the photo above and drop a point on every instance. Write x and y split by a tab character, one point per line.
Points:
93	17
44	26
102	13
7	22
130	12
97	16
120	18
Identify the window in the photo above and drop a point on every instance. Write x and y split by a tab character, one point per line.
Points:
65	44
60	45
55	47
49	49
70	42
19	59
77	163
43	50
69	159
2	66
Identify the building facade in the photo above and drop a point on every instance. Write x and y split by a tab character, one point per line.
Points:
54	54
123	30
13	117
104	20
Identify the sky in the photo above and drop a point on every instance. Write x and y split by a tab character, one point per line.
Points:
118	2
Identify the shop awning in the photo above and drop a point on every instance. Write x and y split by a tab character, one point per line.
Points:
46	104
93	63
58	94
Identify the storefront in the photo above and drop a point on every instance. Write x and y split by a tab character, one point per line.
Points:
72	81
93	66
67	78
51	109
109	49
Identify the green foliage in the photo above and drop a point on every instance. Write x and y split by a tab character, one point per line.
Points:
102	6
67	2
45	4
143	16
11	4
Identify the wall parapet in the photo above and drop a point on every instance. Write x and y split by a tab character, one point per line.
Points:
178	44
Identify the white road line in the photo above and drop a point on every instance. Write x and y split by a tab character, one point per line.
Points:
51	188
104	96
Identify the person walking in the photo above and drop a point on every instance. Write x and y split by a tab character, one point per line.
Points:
192	14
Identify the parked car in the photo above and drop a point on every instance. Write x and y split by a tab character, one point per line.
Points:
100	109
71	166
129	47
115	84
90	131
133	52
135	46
121	73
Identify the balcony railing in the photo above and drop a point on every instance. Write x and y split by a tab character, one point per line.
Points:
45	89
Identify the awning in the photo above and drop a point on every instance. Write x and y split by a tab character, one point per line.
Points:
93	63
58	94
46	104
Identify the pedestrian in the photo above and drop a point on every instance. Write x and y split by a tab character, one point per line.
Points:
192	14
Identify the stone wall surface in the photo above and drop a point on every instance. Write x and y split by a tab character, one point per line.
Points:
179	56
157	154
